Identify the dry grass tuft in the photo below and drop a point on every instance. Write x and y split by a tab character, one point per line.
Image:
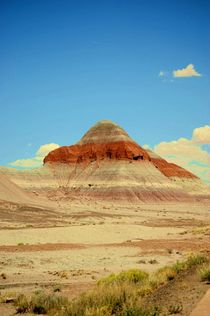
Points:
118	294
204	273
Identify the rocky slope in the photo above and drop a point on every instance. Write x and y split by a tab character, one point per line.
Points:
107	163
104	141
11	192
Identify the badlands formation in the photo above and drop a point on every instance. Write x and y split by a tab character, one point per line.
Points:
107	165
100	206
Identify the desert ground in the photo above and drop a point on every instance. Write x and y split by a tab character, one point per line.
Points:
74	243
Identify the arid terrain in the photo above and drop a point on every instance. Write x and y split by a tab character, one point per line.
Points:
99	207
77	244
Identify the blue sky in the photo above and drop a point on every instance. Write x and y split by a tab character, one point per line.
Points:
66	64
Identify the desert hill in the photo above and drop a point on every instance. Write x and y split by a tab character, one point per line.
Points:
9	191
107	163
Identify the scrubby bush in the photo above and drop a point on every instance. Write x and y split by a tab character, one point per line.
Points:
131	276
22	304
165	274
118	294
179	266
42	303
205	273
113	298
195	260
168	273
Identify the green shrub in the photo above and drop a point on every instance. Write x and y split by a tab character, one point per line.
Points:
205	274
165	274
195	260
113	298
22	304
100	311
146	289
42	303
118	294
131	276
179	266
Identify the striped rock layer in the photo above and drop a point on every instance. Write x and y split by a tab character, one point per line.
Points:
107	163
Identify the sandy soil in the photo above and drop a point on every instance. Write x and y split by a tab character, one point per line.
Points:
184	291
74	244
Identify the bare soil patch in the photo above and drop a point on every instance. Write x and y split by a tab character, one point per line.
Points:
182	293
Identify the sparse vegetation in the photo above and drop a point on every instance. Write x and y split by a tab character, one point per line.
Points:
165	274
142	261
61	274
119	294
57	288
204	273
3	276
131	276
153	261
40	303
175	309
201	230
22	304
8	297
194	260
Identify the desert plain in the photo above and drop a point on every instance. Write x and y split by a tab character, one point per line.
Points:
76	244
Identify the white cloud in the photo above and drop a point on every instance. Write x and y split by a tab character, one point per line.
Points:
37	160
146	146
188	71
45	149
201	135
183	150
27	163
189	153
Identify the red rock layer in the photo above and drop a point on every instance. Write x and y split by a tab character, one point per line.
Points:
108	141
171	169
86	153
114	150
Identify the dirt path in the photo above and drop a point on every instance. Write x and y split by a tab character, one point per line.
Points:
203	306
181	294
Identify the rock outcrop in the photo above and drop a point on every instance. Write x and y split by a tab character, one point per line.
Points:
107	163
105	140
